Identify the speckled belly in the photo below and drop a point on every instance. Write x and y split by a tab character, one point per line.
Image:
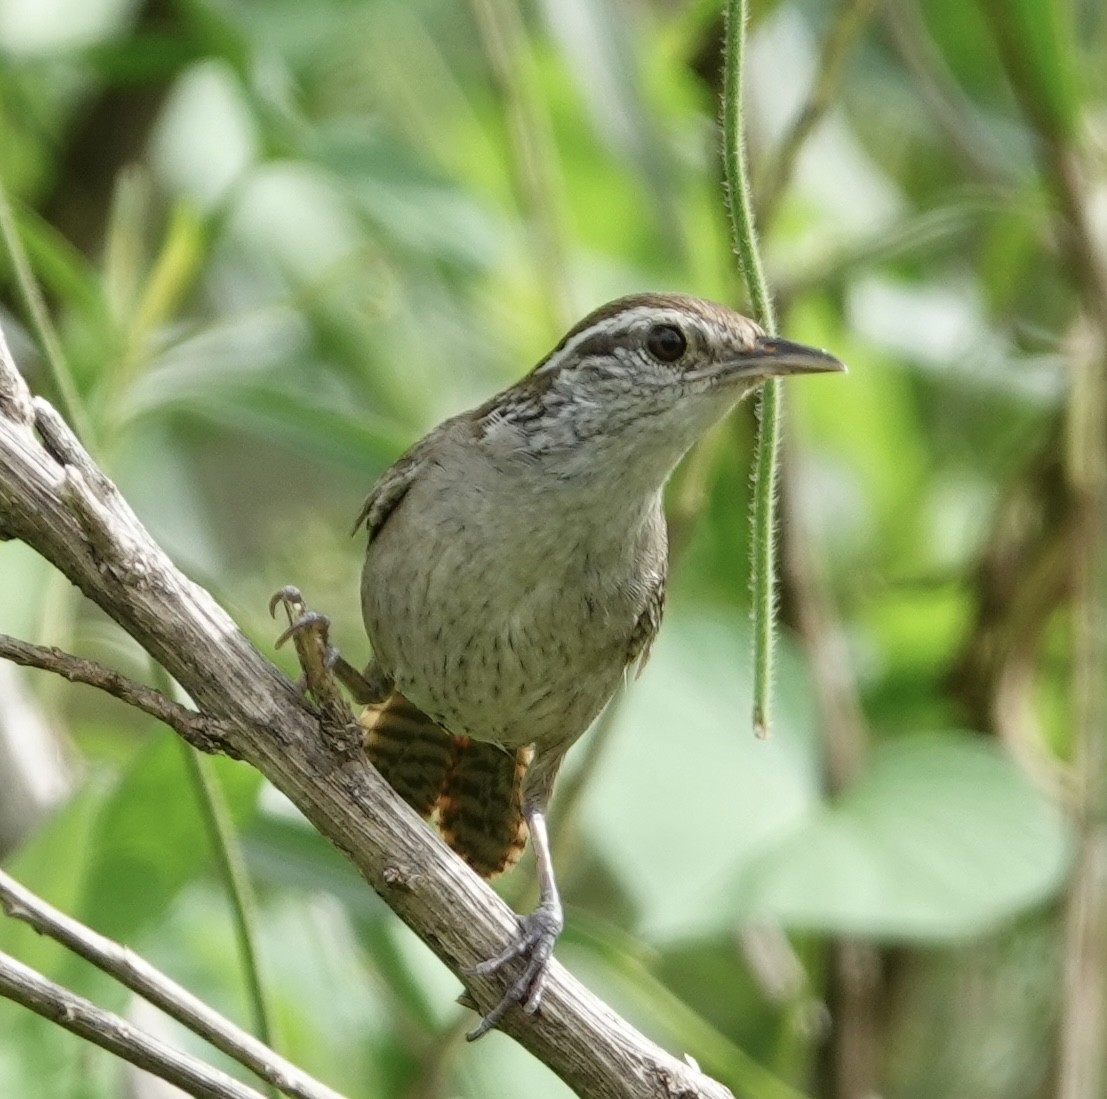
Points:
493	659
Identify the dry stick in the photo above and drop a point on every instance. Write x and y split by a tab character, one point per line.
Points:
113	1033
53	497
744	241
153	985
63	378
201	732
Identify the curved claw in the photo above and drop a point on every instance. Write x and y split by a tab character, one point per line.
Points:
538	933
309	620
288	597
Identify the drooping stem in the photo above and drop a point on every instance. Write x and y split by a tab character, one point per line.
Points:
744	240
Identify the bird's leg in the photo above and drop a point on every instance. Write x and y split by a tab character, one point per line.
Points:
323	668
538	930
320	660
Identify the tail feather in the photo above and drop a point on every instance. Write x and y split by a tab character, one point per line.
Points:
412	753
480	811
473	789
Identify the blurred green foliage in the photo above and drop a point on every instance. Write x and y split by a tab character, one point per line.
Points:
280	240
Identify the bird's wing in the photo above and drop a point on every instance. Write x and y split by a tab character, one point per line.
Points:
649	621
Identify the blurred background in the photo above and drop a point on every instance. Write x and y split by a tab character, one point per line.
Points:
281	240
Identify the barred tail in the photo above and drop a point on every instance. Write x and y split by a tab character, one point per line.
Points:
473	789
480	811
412	753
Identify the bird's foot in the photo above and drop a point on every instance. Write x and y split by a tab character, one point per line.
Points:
538	932
309	631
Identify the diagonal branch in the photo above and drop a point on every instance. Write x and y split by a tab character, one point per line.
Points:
152	985
54	498
198	730
113	1033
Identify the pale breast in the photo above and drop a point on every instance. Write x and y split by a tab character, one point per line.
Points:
497	622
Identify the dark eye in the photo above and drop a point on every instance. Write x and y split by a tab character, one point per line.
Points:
666	342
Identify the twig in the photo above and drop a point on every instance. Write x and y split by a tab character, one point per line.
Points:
236	884
200	731
1055	124
54	498
153	985
113	1033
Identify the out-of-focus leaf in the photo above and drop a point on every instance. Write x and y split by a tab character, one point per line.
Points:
685	793
149	838
143	57
1038	40
304	422
406	200
941	837
621	970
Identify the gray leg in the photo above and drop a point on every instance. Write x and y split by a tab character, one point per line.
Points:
538	931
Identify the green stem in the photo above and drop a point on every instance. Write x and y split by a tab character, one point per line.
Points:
236	882
29	291
232	869
744	240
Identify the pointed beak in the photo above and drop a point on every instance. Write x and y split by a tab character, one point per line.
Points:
773	357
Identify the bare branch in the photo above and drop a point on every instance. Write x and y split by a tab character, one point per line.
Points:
113	1033
199	731
53	497
153	985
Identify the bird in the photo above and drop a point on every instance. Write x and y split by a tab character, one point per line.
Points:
515	573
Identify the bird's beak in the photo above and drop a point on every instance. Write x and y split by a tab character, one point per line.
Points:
773	357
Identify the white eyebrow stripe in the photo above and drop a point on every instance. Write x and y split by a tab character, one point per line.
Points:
620	321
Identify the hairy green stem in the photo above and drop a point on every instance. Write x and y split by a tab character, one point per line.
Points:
744	240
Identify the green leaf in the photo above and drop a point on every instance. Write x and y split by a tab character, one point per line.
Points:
150	840
943	836
685	793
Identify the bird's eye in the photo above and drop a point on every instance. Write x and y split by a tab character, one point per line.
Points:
666	342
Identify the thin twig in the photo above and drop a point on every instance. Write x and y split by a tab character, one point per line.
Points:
113	1033
236	884
1055	124
163	992
232	869
199	730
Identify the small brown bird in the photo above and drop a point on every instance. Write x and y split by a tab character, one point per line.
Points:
516	569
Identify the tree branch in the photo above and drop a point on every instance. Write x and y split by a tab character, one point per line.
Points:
107	1030
54	498
152	985
199	731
